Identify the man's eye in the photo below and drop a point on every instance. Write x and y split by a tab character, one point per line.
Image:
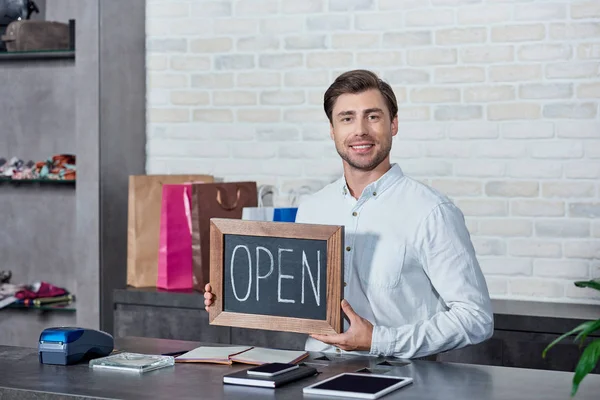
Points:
345	119
373	117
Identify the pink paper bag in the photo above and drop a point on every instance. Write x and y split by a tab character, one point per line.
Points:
175	243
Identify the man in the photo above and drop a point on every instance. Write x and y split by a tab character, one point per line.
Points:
413	285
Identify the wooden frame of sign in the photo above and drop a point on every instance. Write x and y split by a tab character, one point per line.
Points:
334	237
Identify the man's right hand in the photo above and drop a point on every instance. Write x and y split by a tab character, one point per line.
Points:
209	298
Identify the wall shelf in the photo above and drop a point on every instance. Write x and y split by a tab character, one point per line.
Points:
68	307
66	182
64	54
37	55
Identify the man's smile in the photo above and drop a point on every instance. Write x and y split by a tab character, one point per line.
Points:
362	148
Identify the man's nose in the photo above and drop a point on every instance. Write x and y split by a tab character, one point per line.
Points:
361	127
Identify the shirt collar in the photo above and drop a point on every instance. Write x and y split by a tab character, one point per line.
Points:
380	185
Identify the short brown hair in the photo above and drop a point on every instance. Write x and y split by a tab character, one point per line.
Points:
358	81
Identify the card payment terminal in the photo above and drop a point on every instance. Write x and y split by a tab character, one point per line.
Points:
69	345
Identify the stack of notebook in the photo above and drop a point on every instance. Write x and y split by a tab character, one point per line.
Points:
245	379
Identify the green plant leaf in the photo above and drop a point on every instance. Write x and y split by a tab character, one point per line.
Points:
593	327
580	328
594	284
587	362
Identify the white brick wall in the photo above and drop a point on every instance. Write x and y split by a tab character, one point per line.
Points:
498	109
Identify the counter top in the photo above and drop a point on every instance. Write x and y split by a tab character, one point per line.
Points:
23	377
546	309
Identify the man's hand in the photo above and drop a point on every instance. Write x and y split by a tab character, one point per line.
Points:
209	298
357	337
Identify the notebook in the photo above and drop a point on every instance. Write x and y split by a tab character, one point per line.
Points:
241	354
242	377
261	355
208	354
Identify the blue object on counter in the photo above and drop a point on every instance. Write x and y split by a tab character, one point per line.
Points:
69	345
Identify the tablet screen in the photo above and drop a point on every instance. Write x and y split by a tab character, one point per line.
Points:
359	383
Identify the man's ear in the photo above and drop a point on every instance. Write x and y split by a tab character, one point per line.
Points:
331	135
395	126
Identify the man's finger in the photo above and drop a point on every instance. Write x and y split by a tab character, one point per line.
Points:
349	311
207	287
329	339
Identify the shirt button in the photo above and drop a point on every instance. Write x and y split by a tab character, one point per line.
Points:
345	284
354	213
348	248
374	193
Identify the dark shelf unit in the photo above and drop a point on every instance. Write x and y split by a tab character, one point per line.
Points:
94	101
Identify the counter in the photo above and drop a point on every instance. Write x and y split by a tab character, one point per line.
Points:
522	329
23	377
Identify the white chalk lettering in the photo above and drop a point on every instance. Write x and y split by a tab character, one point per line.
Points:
281	276
258	276
249	272
317	289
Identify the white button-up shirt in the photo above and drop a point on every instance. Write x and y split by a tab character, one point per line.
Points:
409	266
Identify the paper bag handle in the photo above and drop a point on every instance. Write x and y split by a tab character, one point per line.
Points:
262	191
220	200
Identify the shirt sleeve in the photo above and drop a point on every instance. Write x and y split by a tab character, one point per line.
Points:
449	260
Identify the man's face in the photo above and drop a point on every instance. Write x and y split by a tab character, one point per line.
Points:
362	130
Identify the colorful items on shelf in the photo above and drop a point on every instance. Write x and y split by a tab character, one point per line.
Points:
58	167
35	295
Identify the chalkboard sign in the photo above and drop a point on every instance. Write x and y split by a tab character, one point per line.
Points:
289	275
276	275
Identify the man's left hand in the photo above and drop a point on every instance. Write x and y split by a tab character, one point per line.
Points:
357	337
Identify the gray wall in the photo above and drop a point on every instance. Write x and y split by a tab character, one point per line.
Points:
122	135
111	133
88	187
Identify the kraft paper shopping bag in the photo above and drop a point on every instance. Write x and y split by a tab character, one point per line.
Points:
145	194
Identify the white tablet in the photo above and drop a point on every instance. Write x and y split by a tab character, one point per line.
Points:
357	385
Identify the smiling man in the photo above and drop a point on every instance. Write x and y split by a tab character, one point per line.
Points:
413	286
412	283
